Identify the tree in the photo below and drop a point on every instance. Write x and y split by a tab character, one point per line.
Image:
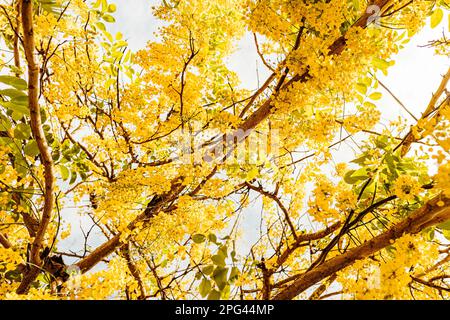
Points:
165	153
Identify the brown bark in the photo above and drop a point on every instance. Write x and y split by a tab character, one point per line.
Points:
250	123
4	241
410	139
153	208
134	271
336	48
428	215
39	136
306	238
99	253
316	295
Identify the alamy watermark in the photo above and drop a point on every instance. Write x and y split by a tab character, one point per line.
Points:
214	146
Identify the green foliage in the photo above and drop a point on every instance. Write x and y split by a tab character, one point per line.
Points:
217	278
378	168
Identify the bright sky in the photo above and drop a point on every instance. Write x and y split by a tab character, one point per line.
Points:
415	76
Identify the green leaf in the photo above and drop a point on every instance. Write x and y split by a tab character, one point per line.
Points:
14	275
436	17
65	173
446	234
362	88
6	141
109	18
101	26
205	287
208	270
348	177
353	176
360	160
97	4
56	154
22	131
12	93
369	189
31	149
360	174
380	63
21	110
233	255
382	141
198	238
428	234
445	225
214	295
22	100
390	163
218	259
252	174
234	274
220	277
73	177
212	237
15	82
223	250
375	96
52	7
21	167
369	104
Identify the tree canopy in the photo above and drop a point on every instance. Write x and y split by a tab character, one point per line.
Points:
161	154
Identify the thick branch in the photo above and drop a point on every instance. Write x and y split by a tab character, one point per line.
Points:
336	48
153	208
306	238
250	123
99	254
39	136
4	241
410	139
134	271
317	294
428	215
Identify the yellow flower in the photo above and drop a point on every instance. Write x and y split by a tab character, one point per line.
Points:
406	187
442	179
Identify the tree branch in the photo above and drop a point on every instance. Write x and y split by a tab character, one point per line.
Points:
317	294
39	136
410	139
134	271
4	241
154	206
306	238
278	202
428	215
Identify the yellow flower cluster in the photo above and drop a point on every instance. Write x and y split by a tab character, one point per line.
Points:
101	284
442	178
321	204
388	276
406	187
9	258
